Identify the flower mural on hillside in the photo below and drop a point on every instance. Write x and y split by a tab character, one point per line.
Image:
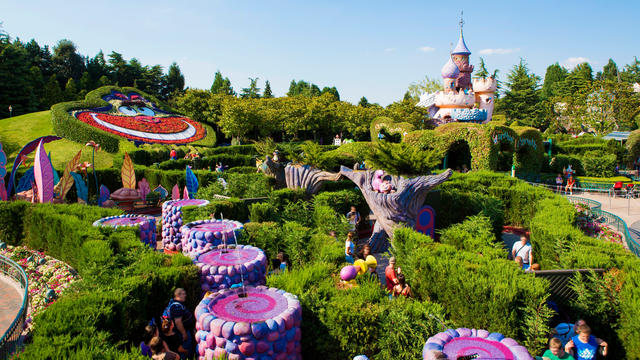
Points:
138	119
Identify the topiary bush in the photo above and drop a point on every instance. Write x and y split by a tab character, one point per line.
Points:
599	164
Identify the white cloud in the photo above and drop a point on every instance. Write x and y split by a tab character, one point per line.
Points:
571	62
498	51
426	49
389	49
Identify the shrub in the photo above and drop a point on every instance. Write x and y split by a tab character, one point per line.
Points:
599	164
11	221
280	198
267	236
341	201
296	239
261	212
475	234
231	208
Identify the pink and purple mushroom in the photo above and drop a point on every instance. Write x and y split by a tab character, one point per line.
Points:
222	268
251	323
203	235
146	225
348	273
471	342
172	221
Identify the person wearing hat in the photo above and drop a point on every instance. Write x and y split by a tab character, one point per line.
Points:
391	275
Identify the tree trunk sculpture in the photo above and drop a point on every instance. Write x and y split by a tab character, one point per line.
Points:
297	176
395	208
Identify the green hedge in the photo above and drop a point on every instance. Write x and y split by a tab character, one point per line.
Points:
341	201
231	160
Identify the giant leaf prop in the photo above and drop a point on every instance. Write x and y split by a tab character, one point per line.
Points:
81	187
175	192
26	150
185	193
104	195
56	178
43	175
192	183
128	174
143	188
25	181
162	191
66	182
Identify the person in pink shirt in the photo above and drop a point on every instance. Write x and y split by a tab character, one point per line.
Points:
391	274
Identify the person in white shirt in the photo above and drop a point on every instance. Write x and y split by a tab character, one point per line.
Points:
522	249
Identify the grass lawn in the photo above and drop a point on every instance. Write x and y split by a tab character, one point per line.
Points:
15	132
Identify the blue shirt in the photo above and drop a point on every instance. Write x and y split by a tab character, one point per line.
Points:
585	351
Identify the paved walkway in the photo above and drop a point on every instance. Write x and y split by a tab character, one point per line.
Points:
627	209
10	302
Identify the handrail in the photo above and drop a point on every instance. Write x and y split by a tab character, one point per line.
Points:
595	207
11	338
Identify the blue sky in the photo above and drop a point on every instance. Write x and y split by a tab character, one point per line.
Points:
364	48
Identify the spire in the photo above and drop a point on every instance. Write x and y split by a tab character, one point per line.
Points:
461	48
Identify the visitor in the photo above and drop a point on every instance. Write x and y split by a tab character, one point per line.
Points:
365	251
617	170
518	260
523	250
150	331
276	156
555	351
534	267
377	180
465	169
354	218
160	352
336	140
402	289
568	172
386	187
584	345
391	274
184	320
349	247
571	182
565	331
284	261
559	182
173	154
187	156
172	338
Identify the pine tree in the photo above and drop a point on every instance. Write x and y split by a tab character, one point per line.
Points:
631	72
522	98
175	81
363	102
70	90
482	71
293	88
104	81
218	82
609	72
553	79
253	91
52	92
267	90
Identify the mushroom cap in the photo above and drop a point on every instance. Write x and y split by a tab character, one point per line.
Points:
125	194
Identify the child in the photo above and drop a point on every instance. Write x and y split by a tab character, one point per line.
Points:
349	248
555	351
570	184
172	338
586	345
160	352
386	186
402	288
559	182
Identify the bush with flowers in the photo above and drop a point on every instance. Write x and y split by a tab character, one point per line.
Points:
592	225
48	277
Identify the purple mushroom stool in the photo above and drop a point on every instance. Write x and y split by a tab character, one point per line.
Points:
236	264
172	222
203	235
477	344
146	225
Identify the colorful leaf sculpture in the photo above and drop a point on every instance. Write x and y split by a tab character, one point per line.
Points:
143	188
66	182
185	193
24	184
192	183
56	178
81	187
104	195
43	175
3	172
175	193
128	174
162	191
27	149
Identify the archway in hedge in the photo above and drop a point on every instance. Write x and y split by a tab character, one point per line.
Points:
458	155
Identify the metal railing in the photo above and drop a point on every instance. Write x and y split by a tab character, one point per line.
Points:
11	338
612	220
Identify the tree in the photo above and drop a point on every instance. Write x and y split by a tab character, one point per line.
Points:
426	85
70	90
267	94
609	72
67	63
578	80
15	88
253	91
97	68
52	92
482	71
363	102
521	101
553	78
631	72
331	90
175	81
402	159
222	85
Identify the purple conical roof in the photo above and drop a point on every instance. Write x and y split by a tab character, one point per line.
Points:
461	48
450	70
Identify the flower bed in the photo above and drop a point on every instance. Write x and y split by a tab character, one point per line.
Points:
48	277
590	225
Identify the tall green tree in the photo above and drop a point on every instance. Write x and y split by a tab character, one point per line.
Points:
553	79
331	90
175	81
426	85
70	90
631	72
363	102
609	72
522	97
578	80
67	63
52	92
222	85
267	94
15	85
253	91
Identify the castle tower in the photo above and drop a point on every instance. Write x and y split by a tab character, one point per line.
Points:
461	58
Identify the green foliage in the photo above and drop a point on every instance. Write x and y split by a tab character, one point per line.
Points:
11	221
296	239
267	236
341	201
521	101
402	159
475	234
599	164
389	127
231	208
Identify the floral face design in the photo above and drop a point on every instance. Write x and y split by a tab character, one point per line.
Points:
135	118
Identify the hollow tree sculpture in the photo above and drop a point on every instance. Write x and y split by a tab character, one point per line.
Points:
298	176
392	209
